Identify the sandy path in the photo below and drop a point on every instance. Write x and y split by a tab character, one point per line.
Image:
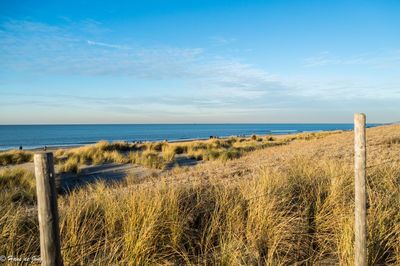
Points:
108	172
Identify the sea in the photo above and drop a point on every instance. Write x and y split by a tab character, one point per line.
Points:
37	136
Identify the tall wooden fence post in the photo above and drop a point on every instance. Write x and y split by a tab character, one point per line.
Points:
360	223
47	209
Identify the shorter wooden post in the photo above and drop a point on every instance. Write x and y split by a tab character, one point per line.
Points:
360	222
47	209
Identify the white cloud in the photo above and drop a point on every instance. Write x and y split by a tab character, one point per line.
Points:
212	82
102	44
36	47
387	59
29	46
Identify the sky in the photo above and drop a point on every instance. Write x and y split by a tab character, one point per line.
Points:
199	61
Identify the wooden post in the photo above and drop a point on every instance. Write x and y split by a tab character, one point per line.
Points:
360	223
47	209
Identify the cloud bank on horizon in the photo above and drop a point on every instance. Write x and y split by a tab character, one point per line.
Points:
190	63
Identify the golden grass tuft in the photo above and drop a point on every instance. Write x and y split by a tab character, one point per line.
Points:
169	152
71	165
155	146
100	153
17	186
15	157
148	159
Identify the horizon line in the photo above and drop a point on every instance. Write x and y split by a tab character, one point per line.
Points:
211	123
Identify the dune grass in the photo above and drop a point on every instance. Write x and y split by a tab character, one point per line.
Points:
102	152
72	160
15	157
16	186
156	155
299	213
303	214
147	154
72	165
148	159
230	148
169	153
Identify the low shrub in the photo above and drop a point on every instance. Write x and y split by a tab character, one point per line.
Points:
179	149
270	138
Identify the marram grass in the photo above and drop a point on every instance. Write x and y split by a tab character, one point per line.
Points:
302	214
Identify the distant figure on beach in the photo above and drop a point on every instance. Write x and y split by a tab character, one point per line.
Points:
20	148
45	148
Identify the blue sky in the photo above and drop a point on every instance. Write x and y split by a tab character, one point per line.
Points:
198	61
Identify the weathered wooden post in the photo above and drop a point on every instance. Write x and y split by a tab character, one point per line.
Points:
47	209
360	223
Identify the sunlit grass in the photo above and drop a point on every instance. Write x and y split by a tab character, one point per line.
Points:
148	159
17	185
15	157
301	214
71	160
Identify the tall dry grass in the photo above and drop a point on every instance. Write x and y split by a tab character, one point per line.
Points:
15	157
102	152
72	160
230	148
158	155
301	214
17	186
149	159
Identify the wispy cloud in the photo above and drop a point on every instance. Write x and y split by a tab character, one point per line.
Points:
29	46
213	84
387	59
102	44
37	47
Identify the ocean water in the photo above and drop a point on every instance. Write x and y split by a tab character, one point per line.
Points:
36	136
